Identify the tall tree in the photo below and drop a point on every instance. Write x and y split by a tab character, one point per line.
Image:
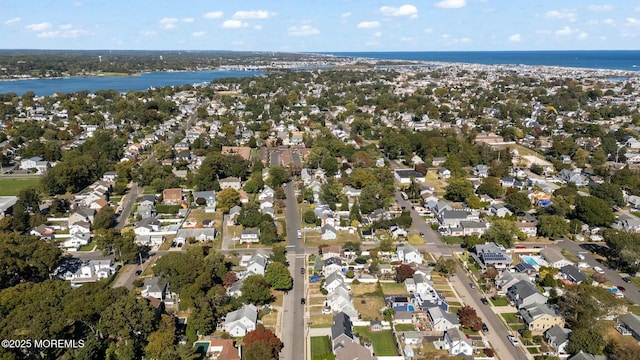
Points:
255	290
594	211
263	336
278	276
227	198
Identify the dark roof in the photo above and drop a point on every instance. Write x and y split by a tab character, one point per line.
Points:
407	173
524	289
573	273
524	267
341	326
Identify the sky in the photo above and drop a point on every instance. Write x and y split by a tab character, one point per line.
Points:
321	25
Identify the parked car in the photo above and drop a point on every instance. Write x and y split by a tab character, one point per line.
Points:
472	285
484	301
485	328
599	270
301	270
138	272
326	310
302	301
513	340
622	288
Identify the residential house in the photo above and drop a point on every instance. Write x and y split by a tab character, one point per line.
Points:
490	254
628	223
230	183
172	196
568	176
342	331
405	176
74	242
412	337
631	323
408	254
540	317
558	337
499	210
507	278
43	231
457	342
146	206
353	351
471	228
35	163
257	264
334	280
528	228
351	192
328	232
509	182
330	251
584	356
524	293
81	214
331	265
154	287
441	320
250	236
554	257
340	300
6	205
80	227
206	198
92	271
198	234
147	226
240	322
481	171
234	212
397	232
218	349
109	176
573	275
444	173
452	218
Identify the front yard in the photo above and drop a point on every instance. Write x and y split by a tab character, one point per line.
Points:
382	341
321	348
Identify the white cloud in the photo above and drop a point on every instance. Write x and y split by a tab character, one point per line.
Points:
515	38
465	40
599	8
188	20
254	14
565	31
563	14
404	10
304	30
65	26
257	27
451	4
583	36
213	15
198	33
67	32
38	27
407	39
147	33
377	33
12	21
234	24
445	36
368	25
428	30
632	21
609	21
345	15
168	23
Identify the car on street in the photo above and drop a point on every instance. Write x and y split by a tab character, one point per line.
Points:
421	233
299	234
626	279
598	269
484	301
622	288
485	328
472	285
302	301
513	340
301	270
138	272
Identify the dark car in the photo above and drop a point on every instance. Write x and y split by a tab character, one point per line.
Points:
301	270
421	233
485	328
627	280
622	288
138	272
484	301
472	285
302	301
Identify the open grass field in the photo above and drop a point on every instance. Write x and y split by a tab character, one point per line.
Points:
321	321
415	239
382	341
394	288
405	327
362	289
11	186
370	309
499	301
321	348
270	320
510	318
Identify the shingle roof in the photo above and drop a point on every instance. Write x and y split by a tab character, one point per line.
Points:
341	326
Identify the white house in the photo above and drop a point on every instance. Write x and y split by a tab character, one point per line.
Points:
408	254
76	241
334	280
240	322
92	271
257	264
441	320
230	182
554	258
249	235
457	343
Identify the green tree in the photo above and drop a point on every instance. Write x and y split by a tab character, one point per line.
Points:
458	190
226	199
502	232
255	290
26	258
161	341
518	202
552	226
278	254
309	217
583	306
278	276
278	175
594	211
446	267
105	218
588	340
609	192
130	320
354	213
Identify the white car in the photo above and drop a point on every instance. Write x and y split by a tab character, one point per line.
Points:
513	340
299	234
326	310
599	270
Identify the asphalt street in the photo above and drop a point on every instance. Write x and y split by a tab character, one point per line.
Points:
293	319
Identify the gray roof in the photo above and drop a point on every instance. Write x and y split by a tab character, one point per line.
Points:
632	321
454	214
533	311
437	313
558	334
249	311
155	284
573	273
341	326
524	289
585	356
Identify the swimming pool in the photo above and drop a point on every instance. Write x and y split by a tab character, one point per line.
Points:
529	260
410	308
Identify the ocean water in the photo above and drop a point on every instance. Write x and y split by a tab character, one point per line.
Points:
46	87
613	60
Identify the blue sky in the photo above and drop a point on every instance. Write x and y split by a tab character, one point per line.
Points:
321	25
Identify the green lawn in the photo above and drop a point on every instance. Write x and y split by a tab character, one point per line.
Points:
499	301
405	327
452	240
13	186
321	348
533	350
382	341
394	288
510	318
87	247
